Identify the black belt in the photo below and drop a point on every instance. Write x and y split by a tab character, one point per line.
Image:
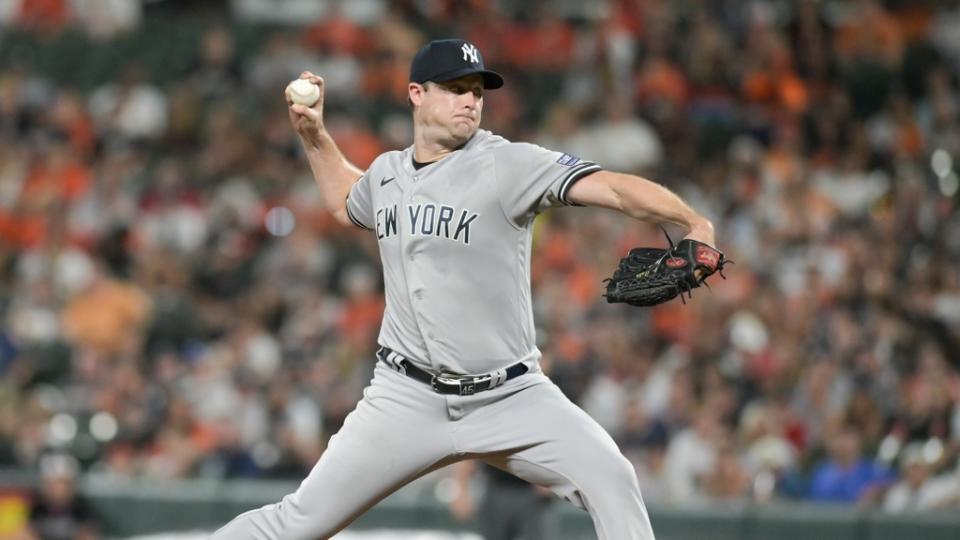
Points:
454	385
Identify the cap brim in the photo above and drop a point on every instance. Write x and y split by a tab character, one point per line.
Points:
491	79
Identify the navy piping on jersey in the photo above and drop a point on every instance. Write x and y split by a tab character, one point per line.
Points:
417	165
578	172
356	221
421	164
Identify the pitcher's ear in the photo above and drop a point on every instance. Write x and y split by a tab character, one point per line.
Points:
415	94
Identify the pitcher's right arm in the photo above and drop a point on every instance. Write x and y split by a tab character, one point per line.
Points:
332	172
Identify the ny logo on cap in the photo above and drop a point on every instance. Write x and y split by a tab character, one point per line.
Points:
471	52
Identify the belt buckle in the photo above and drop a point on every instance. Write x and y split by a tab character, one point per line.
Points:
465	386
437	382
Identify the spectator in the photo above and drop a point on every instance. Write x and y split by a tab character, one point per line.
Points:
106	19
107	317
919	489
847	475
277	62
58	513
278	11
217	71
620	140
132	108
727	480
691	455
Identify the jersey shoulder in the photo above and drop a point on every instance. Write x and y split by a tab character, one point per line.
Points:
486	141
492	143
511	152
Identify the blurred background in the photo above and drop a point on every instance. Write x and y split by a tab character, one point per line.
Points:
184	326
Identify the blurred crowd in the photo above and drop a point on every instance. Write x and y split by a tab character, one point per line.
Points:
177	303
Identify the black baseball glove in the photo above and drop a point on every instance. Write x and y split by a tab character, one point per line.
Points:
651	276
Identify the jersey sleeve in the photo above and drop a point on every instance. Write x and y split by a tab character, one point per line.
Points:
531	179
360	203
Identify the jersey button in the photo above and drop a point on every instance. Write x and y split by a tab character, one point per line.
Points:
418	295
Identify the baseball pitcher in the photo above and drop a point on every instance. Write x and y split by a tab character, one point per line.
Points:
457	373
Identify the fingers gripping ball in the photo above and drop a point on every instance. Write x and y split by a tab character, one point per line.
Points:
651	276
303	92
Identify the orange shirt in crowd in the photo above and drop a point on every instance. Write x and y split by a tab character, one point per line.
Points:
44	14
66	181
107	316
661	79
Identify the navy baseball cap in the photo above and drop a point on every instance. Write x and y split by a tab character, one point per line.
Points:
448	59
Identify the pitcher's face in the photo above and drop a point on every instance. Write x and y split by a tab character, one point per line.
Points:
453	106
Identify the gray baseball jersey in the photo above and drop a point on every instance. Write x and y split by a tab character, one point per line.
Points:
455	241
455	244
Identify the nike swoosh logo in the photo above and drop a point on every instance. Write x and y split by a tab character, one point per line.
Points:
386	180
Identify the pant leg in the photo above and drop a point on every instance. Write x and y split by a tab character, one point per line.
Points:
538	434
397	433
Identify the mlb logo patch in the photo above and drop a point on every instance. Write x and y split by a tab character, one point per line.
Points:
568	160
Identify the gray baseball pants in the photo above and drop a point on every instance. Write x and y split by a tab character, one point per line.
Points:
402	429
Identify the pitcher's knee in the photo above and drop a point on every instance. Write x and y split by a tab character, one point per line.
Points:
298	524
617	477
284	520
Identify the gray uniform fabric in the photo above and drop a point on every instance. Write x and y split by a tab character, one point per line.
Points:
455	243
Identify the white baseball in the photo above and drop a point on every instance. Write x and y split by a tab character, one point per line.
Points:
303	92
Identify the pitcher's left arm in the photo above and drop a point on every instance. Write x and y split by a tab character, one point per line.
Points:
641	199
